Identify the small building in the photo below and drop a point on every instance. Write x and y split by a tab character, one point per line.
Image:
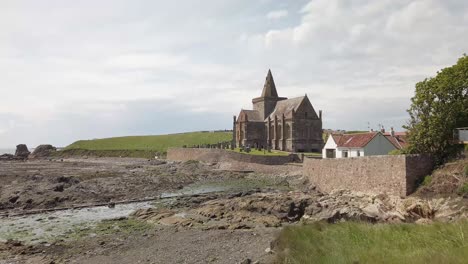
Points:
461	135
362	144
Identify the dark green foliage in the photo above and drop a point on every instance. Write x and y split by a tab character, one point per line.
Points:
440	105
463	190
396	152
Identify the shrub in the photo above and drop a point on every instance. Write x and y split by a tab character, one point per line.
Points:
427	180
463	190
396	152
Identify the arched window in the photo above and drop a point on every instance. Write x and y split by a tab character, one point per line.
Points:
288	132
278	132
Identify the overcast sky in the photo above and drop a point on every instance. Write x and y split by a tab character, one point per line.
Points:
87	69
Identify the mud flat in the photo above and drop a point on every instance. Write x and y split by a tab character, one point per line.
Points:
115	210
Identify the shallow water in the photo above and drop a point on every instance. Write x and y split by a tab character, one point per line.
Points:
50	226
7	151
53	225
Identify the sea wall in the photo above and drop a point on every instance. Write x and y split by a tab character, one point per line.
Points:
393	174
221	155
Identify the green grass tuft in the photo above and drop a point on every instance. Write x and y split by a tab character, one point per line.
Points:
262	153
463	190
352	242
427	180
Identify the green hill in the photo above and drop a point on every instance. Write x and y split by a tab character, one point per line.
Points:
143	146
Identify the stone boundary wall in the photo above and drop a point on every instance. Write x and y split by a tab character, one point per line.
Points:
392	174
290	169
221	155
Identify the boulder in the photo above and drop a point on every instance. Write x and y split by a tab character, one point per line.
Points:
43	151
9	157
22	151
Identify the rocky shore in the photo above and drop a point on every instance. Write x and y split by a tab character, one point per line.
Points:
195	212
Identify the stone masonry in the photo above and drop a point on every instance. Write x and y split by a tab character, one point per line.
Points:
279	123
392	174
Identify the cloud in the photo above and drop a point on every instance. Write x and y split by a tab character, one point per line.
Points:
277	14
121	68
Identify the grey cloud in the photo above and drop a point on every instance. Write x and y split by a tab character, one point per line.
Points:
87	69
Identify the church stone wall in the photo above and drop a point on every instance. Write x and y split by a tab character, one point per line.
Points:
307	135
220	155
393	174
255	134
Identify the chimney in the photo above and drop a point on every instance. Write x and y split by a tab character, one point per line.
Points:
371	130
383	129
392	132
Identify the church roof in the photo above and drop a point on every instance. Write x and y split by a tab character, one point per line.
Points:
252	116
269	88
286	106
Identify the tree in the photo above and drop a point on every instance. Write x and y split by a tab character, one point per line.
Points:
440	105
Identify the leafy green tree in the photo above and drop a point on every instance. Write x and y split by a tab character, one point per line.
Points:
440	105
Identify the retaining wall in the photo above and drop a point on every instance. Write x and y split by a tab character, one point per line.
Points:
393	174
221	155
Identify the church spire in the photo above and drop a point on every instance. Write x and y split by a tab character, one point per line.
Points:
269	89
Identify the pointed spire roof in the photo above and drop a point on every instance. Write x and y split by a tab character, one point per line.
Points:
269	89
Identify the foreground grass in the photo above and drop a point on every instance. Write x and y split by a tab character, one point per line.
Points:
382	243
159	143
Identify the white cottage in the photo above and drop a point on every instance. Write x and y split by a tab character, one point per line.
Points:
362	144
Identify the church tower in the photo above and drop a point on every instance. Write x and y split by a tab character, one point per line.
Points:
266	103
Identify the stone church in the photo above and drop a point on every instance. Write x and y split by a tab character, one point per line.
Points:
279	123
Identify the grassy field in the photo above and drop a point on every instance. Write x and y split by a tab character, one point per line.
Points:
381	243
263	153
159	143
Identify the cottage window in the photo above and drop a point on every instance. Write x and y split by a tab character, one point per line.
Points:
345	154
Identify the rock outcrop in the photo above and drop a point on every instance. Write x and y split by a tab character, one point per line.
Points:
275	209
42	151
22	151
9	157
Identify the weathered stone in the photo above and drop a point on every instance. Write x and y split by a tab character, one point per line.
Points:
9	157
22	151
279	122
379	174
43	151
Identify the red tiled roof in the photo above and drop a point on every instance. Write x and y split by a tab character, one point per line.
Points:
354	140
398	140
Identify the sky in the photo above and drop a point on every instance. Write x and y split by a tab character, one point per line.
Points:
86	69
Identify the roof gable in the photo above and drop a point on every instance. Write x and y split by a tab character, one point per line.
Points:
249	116
354	140
305	106
398	140
286	107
